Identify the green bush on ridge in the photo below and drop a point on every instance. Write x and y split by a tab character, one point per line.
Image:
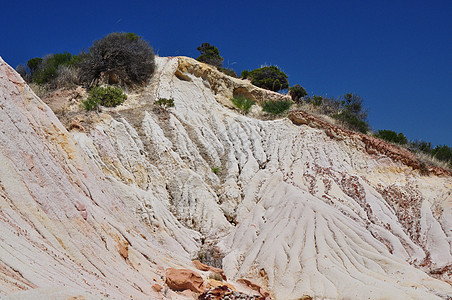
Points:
269	77
392	136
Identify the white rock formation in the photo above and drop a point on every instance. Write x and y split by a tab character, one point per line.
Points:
106	210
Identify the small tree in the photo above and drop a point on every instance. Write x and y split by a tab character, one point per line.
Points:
354	105
270	78
353	113
123	58
297	92
210	55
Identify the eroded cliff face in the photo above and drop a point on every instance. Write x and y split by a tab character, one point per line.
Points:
301	209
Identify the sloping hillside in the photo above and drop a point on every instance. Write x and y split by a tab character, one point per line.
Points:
299	209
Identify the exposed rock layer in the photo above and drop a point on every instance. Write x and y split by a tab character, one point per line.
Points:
299	210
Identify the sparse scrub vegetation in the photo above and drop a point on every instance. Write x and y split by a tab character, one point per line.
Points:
352	122
352	113
276	107
47	70
126	59
244	104
54	71
392	136
227	71
165	103
109	96
441	153
347	110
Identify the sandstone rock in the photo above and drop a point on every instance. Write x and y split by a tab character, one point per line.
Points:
212	283
157	287
203	267
330	195
184	279
123	248
264	293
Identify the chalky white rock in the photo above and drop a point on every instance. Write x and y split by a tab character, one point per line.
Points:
291	208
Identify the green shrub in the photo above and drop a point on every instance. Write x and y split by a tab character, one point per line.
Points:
45	70
352	113
165	103
45	75
33	64
392	136
440	152
216	170
422	146
109	96
118	58
316	100
297	92
276	107
245	74
443	153
242	103
270	78
352	121
354	105
53	70
227	71
210	55
91	103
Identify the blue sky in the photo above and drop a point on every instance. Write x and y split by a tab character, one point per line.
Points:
397	55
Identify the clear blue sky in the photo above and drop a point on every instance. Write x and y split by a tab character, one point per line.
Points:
397	55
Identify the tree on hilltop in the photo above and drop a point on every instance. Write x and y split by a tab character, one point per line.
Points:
119	58
210	55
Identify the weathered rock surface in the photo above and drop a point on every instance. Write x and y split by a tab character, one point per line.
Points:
298	210
203	267
184	279
63	225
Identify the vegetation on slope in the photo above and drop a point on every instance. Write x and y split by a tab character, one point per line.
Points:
109	96
118	58
268	77
125	59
